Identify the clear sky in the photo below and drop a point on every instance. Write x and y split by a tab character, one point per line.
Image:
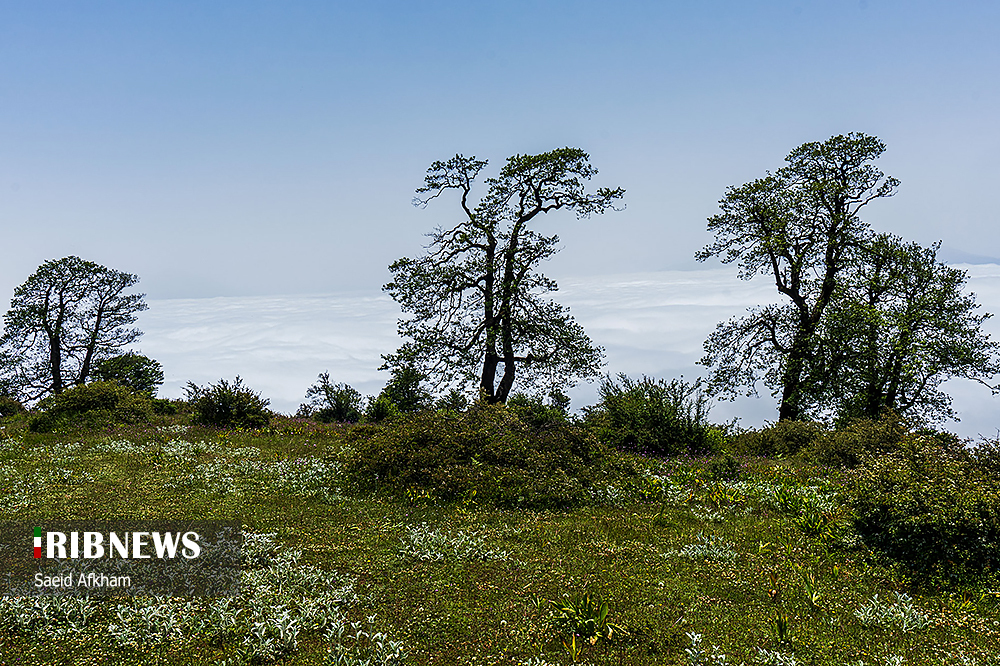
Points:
248	149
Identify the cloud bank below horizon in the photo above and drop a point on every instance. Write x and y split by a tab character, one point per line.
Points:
650	323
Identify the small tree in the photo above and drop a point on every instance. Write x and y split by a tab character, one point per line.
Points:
328	402
139	373
405	390
478	306
69	315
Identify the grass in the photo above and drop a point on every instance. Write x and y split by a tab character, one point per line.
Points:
763	569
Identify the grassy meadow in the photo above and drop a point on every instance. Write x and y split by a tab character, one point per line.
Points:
685	560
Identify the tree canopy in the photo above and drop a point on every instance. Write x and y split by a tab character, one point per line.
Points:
137	372
902	325
866	323
478	310
66	317
801	227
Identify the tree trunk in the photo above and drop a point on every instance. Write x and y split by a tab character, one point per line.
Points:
791	394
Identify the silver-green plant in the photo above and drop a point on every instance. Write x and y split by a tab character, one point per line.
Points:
775	658
708	515
281	601
902	613
354	646
707	547
46	616
696	655
428	544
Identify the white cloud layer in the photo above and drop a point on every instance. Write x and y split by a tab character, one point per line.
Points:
649	323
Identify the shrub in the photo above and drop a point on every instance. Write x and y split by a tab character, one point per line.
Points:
929	508
651	415
94	405
226	405
10	406
454	401
848	446
985	455
534	412
404	390
329	403
487	453
137	372
380	409
167	407
784	438
724	468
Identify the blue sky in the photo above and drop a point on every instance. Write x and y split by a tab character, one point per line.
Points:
252	149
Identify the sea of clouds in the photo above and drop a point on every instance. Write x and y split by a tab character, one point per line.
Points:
649	323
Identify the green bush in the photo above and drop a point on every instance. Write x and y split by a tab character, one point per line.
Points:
380	409
536	413
930	508
137	372
486	453
724	468
454	400
94	405
652	416
850	445
331	403
985	455
167	407
226	405
405	391
781	439
10	406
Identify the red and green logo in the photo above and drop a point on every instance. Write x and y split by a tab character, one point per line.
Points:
38	542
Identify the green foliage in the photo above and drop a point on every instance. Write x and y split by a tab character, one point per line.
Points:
429	544
533	411
225	405
652	415
405	390
781	439
985	455
10	406
902	324
380	409
165	407
137	372
849	445
451	594
454	400
723	468
94	405
487	453
330	403
867	322
929	508
583	616
902	614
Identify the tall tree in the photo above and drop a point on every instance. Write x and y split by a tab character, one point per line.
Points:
477	302
902	325
801	227
66	317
